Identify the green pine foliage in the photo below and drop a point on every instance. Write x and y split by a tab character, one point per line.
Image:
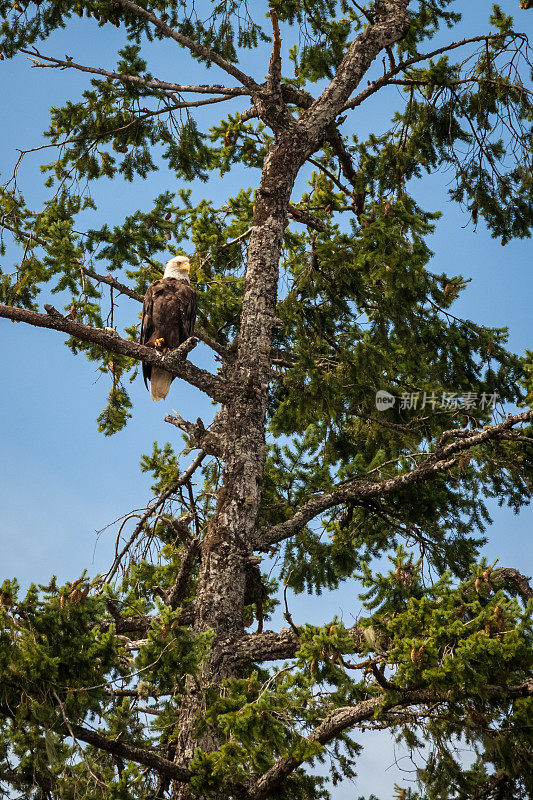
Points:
360	310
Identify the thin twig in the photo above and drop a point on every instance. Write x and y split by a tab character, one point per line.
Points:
183	478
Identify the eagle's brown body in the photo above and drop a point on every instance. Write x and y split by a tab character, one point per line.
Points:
169	314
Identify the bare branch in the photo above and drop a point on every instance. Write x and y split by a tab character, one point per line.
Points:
143	622
273	645
274	70
250	113
287	615
178	591
450	84
173	361
306	218
230	91
154	508
235	240
109	281
197	49
345	160
208	439
329	174
264	646
192	104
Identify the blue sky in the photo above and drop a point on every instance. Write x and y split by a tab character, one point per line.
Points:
60	480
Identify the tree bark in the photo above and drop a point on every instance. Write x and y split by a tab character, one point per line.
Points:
229	540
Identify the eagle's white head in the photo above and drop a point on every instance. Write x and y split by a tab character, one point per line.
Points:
178	267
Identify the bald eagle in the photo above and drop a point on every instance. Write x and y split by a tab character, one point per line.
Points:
169	313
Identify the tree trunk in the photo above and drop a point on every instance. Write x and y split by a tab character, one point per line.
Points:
227	544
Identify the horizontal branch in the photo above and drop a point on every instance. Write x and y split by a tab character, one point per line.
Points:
306	218
121	749
277	645
260	647
272	645
172	361
385	79
284	644
192	103
140	755
344	718
359	489
450	84
230	91
109	281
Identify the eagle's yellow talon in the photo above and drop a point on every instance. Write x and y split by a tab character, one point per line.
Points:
160	343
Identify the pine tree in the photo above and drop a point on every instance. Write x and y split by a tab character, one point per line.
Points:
144	683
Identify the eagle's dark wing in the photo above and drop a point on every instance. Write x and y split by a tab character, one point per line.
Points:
169	313
147	327
188	304
173	311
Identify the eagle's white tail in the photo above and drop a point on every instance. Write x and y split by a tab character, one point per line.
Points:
160	381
